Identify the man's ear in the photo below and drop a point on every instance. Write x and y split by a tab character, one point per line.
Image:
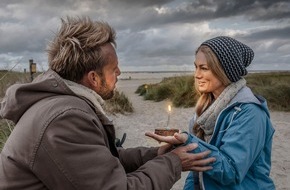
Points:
91	80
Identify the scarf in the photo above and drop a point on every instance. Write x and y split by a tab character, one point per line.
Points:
84	92
208	118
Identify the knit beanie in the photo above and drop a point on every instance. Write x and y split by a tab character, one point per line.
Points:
233	55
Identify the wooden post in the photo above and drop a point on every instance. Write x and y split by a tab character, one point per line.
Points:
32	67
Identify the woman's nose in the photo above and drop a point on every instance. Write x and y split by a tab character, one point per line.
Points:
197	73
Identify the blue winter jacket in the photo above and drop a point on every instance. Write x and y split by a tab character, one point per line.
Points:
241	143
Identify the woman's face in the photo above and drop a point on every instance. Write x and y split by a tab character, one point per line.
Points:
206	81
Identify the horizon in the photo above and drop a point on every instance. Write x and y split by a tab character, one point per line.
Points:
163	71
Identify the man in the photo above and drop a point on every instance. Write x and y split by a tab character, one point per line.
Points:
63	138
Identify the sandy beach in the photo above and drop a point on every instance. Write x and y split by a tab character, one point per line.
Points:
149	115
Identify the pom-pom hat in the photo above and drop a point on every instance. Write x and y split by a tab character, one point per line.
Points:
233	55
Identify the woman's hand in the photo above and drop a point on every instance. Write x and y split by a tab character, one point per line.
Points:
177	138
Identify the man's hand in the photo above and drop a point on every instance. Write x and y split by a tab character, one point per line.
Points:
189	161
164	149
193	161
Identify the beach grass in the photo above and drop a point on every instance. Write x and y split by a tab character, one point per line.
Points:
9	78
178	89
120	103
273	86
6	128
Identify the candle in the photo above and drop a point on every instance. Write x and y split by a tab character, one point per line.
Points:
166	131
169	108
169	111
146	88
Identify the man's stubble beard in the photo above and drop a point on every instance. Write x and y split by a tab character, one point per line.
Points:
105	93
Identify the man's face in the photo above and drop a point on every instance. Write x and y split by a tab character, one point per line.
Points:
111	71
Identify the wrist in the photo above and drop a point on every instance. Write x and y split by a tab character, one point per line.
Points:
164	149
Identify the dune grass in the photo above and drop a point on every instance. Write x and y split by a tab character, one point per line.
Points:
6	128
274	86
118	104
178	89
9	78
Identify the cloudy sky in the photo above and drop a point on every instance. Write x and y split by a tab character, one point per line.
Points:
152	35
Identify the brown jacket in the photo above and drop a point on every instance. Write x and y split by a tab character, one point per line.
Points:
61	142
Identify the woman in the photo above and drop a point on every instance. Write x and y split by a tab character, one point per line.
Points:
230	121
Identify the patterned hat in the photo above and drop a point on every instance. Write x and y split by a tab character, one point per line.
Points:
233	55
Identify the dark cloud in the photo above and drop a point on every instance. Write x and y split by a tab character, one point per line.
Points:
281	33
142	4
201	10
170	12
153	32
252	9
268	10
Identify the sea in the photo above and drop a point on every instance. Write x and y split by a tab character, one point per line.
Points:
128	75
152	74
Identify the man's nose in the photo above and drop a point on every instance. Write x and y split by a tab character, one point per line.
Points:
118	71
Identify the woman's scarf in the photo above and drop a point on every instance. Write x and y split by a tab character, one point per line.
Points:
207	119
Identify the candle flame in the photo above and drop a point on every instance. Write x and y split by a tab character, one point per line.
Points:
169	108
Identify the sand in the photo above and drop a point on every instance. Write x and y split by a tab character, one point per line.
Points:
149	115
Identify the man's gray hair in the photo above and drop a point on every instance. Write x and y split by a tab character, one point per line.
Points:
75	49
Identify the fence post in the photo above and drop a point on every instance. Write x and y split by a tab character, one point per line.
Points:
32	67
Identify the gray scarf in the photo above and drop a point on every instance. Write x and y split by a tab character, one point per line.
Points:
208	117
92	96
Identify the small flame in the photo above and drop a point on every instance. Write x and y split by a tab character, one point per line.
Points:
169	108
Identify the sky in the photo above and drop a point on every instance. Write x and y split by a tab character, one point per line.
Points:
152	35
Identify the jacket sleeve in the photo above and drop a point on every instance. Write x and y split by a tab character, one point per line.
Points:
133	158
241	143
74	154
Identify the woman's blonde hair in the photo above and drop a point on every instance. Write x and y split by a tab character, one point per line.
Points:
75	49
206	99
